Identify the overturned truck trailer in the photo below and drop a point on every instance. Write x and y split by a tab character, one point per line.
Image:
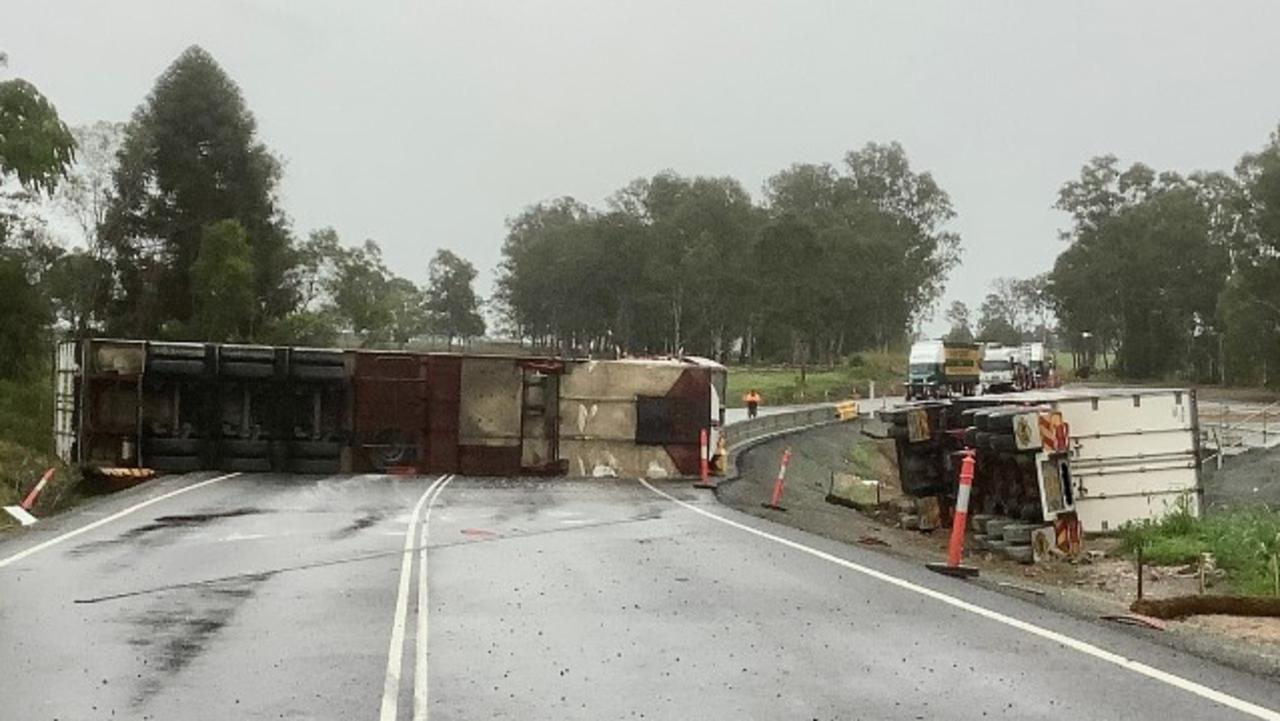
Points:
205	406
1103	456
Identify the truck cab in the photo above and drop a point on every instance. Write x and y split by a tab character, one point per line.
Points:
999	368
925	369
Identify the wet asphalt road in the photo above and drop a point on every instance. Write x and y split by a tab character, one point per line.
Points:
265	597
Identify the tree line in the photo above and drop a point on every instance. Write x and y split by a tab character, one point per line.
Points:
834	259
185	238
1171	274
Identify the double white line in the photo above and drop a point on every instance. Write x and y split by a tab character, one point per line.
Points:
395	655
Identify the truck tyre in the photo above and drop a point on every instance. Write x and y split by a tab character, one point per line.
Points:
244	369
171	367
250	353
978	522
243	448
172	446
189	351
1020	554
318	372
315	449
316	357
246	465
1002	421
174	464
982	419
995	527
1018	534
1002	442
315	465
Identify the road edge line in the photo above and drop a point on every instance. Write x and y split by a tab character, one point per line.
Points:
115	516
389	710
1220	697
420	710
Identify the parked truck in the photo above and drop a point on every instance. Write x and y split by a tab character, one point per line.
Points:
939	369
1098	458
1001	368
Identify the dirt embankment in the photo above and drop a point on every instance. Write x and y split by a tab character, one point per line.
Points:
1096	585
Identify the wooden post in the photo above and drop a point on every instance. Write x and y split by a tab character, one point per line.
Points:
1140	573
1275	572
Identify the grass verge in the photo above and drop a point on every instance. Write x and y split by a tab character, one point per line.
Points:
1243	542
26	450
781	385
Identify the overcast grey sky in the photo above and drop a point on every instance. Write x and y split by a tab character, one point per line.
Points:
425	124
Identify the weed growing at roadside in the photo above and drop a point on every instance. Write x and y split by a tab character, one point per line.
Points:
1242	541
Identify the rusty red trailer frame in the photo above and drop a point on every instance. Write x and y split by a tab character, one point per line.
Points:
187	406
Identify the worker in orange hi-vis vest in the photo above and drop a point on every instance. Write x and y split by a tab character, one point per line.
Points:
752	399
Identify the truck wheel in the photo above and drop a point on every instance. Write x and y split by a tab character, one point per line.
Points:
978	522
244	449
243	369
174	464
318	372
994	527
190	351
1018	534
246	465
326	466
172	367
315	449
1002	442
1002	421
172	446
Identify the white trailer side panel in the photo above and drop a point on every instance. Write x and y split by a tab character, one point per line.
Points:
1134	455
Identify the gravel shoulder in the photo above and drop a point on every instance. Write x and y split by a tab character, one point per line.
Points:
1089	590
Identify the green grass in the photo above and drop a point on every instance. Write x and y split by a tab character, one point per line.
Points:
26	449
1242	542
780	385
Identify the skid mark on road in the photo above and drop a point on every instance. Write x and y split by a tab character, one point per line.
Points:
1084	647
161	530
177	629
365	521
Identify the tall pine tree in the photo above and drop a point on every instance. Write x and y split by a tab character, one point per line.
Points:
191	158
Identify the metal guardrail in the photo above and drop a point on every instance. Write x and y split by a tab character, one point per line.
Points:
1225	437
740	435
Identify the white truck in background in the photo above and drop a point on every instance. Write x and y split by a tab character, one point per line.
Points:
1000	366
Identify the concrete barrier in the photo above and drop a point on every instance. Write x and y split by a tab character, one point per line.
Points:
744	434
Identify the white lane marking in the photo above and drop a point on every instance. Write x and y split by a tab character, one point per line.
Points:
420	658
1084	647
117	515
395	653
